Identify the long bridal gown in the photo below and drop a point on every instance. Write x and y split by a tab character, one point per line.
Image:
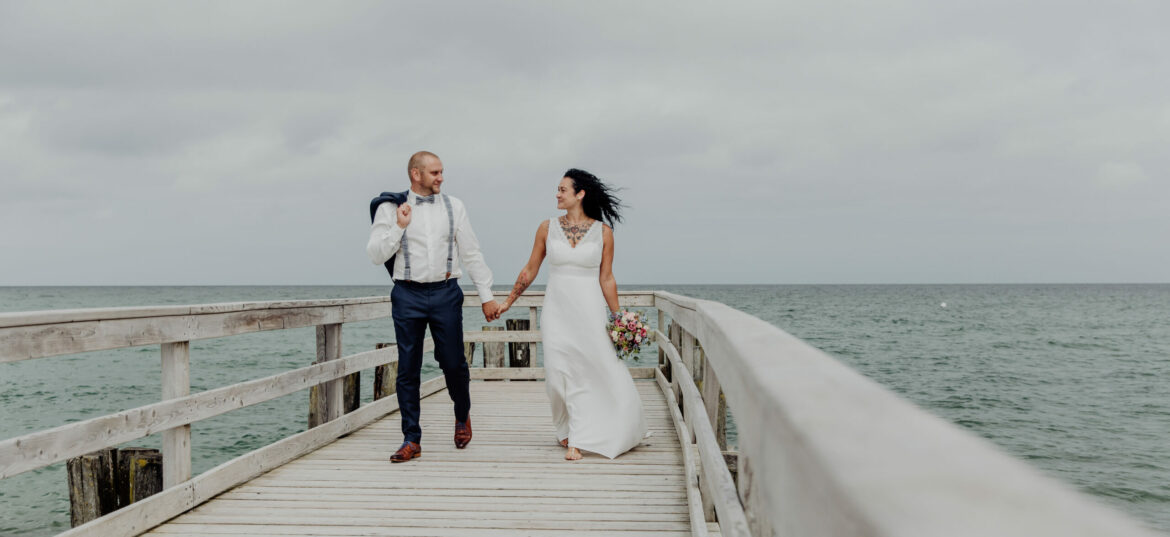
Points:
594	402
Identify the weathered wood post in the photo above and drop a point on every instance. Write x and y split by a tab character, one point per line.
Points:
385	376
92	488
176	442
716	411
731	458
353	392
675	335
663	363
715	402
533	324
519	354
327	400
140	474
493	352
469	351
687	353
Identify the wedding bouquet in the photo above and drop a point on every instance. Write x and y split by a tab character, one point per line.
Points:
628	332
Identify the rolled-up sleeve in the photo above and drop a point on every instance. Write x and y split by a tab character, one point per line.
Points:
471	257
385	235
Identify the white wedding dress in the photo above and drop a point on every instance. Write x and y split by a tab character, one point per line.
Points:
594	402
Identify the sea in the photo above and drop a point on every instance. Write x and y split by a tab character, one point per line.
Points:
1073	379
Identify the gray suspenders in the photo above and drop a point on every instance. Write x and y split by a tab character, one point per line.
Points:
450	234
450	242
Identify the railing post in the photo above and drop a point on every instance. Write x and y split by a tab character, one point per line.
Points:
176	442
687	352
675	335
715	402
532	317
329	402
662	364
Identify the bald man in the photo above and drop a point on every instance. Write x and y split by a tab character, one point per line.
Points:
422	237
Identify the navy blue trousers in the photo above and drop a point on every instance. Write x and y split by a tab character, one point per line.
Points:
414	307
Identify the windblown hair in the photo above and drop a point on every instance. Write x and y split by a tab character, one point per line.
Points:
600	203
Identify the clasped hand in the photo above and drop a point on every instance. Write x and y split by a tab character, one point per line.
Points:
493	310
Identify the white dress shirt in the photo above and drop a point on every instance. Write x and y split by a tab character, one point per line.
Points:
426	243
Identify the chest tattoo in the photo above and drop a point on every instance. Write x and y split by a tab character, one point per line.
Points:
574	232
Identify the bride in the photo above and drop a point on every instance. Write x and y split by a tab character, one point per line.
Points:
595	406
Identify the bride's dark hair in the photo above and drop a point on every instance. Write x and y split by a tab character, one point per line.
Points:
600	203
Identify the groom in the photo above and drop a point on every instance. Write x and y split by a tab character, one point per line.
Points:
422	237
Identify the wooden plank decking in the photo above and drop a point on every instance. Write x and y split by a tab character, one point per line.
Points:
511	480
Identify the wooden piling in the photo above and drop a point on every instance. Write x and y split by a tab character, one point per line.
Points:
353	391
469	351
519	354
385	376
140	474
92	490
493	353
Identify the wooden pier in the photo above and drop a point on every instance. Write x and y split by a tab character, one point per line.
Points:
511	480
822	451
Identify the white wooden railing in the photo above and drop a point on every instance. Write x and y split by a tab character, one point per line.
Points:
823	451
25	336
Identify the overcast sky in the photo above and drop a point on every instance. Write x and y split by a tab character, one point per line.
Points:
908	141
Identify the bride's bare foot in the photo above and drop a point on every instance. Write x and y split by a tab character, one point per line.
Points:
573	454
565	443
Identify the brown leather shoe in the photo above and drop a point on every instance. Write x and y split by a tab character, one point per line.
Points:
462	433
409	450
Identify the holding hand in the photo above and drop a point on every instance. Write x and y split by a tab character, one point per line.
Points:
503	309
403	215
491	311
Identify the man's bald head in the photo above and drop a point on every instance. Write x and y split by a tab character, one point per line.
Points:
419	160
426	173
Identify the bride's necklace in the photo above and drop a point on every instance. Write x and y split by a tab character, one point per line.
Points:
575	232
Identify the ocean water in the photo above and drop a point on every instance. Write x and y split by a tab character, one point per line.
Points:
1071	378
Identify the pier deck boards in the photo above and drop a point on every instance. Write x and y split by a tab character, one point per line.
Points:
511	480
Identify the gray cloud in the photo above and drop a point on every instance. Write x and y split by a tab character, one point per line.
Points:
756	142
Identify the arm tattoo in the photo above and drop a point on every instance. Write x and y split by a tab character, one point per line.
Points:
522	283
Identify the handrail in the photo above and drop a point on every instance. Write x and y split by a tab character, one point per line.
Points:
694	500
40	334
823	450
732	521
46	447
40	449
30	335
826	451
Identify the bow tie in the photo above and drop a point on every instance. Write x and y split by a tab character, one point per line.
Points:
419	200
